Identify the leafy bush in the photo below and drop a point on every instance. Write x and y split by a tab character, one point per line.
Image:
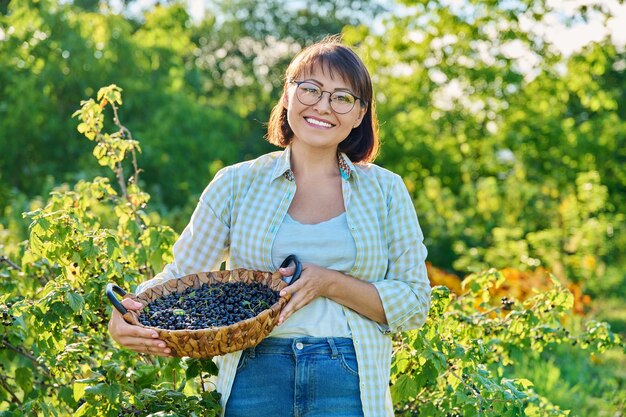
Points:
57	358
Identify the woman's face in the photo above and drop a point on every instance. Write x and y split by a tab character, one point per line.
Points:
318	125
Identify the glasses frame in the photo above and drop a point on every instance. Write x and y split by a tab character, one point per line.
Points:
330	94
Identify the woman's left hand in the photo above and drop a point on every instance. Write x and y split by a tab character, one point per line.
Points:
313	282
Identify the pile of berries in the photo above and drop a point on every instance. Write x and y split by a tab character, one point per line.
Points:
219	304
6	319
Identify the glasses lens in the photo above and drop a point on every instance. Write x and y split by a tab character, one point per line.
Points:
342	102
308	93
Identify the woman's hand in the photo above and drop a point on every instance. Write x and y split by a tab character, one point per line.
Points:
313	282
134	337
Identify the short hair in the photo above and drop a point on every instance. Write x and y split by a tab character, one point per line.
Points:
332	55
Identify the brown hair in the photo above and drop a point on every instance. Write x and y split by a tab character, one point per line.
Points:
331	55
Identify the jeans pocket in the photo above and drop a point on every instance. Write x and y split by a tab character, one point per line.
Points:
349	363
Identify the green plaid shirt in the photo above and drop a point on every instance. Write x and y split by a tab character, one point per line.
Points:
237	219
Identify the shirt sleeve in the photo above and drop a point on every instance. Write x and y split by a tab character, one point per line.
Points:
203	244
405	291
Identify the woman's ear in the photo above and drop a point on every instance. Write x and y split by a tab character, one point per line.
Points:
285	98
359	119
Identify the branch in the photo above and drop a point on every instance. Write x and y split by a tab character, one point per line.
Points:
469	387
11	264
7	388
126	133
119	173
135	167
202	382
119	170
28	356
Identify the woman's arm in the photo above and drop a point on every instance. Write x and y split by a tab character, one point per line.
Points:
201	247
405	290
315	281
401	300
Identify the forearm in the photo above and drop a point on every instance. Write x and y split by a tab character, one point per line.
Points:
358	295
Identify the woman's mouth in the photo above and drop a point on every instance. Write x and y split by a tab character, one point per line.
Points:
318	123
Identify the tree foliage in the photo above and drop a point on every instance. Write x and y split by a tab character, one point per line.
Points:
512	152
58	358
504	142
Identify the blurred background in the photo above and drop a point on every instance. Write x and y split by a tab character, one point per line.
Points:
506	119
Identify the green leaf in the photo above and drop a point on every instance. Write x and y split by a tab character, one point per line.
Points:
79	390
525	383
146	375
209	366
66	395
103	389
87	249
193	368
24	378
75	301
404	388
99	389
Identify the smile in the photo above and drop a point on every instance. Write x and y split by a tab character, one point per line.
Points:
318	122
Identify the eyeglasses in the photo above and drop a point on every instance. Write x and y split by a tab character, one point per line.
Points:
340	101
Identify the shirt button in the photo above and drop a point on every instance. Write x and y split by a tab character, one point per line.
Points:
299	346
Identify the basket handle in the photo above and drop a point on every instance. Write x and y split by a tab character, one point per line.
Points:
110	289
286	263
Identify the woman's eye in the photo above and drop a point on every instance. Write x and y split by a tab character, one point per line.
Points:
310	90
344	98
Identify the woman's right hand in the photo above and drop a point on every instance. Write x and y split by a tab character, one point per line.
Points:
134	337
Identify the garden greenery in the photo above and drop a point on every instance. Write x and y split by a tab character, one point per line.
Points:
58	358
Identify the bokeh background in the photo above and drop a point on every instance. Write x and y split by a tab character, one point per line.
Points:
506	119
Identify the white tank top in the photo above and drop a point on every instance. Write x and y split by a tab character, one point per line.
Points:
330	245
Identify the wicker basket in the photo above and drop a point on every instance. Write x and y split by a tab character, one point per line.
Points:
214	341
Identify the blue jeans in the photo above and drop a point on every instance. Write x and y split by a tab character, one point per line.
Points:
301	377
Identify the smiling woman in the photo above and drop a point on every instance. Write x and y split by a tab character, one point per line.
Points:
346	78
351	223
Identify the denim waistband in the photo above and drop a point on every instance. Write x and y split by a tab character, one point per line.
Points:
303	346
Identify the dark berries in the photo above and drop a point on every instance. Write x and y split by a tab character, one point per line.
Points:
219	304
6	318
507	303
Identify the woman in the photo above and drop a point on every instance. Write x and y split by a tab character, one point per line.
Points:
351	223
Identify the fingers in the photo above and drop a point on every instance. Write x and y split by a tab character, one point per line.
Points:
137	338
131	304
120	328
145	345
287	271
292	288
311	285
301	295
150	347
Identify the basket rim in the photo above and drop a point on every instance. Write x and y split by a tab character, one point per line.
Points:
278	305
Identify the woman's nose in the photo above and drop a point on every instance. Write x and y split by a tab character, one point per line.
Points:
323	105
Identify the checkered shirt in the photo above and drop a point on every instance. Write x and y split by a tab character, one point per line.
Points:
239	214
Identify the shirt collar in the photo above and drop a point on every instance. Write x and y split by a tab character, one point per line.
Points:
283	166
346	167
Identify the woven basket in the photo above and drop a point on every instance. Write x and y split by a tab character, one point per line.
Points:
214	341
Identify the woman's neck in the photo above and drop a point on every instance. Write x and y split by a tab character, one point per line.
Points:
306	161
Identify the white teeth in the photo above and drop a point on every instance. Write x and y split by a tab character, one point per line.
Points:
318	122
